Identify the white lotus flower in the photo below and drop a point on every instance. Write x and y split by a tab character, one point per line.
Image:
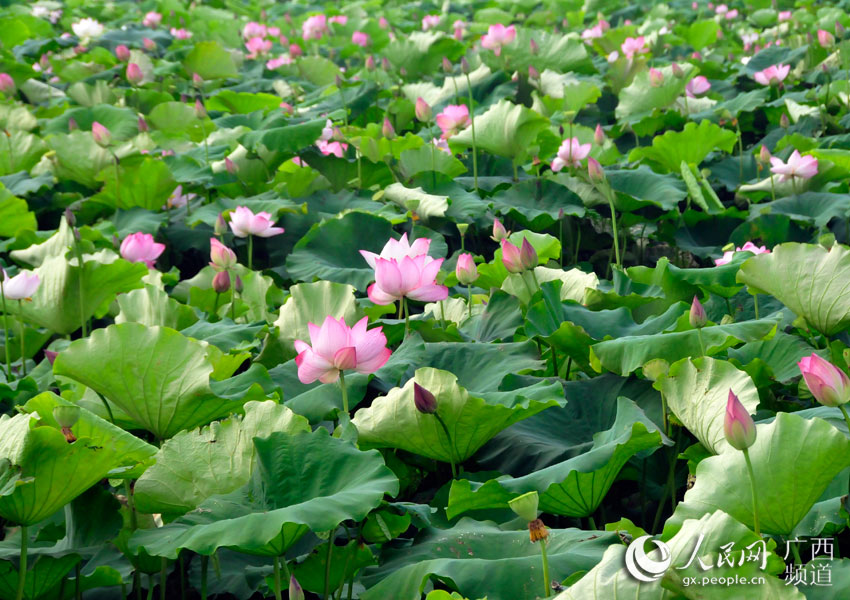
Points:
87	28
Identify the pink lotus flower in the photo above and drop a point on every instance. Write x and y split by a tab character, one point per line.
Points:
732	14
360	39
748	247
314	27
453	119
398	249
254	29
295	50
181	33
383	23
280	61
422	110
773	74
441	145
404	270
243	222
498	36
656	77
257	46
21	286
721	9
804	167
430	21
633	46
511	257
140	247
149	44
122	53
178	199
571	153
336	148
592	33
697	317
221	256
738	424
152	19
134	74
336	347
7	84
825	38
828	384
101	134
466	271
338	19
784	15
697	86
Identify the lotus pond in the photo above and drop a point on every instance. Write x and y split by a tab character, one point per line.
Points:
392	301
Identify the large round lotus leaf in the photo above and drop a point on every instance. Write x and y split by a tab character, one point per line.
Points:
809	279
194	465
156	375
696	392
393	421
794	460
306	481
506	129
40	471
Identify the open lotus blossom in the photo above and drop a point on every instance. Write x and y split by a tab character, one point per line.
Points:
784	15
828	384
632	46
453	119
243	222
336	148
359	38
21	286
7	84
398	249
254	29
314	27
152	19
403	269
257	46
430	21
178	199
804	167
441	145
338	19
697	86
336	347
180	33
280	61
498	36
748	247
140	247
87	28
772	75
571	153
592	33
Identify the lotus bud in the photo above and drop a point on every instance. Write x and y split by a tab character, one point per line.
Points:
447	65
828	384
200	111
525	506
499	231
655	369
738	424
594	170
511	257
697	317
101	134
423	110
533	46
7	84
237	284
839	30
527	255
656	77
533	73
50	355
296	592
295	50
598	135
221	282
149	44
220	225
143	125
783	121
385	64
370	63
466	270
464	66
764	155
678	73
134	74
424	400
197	80
230	166
825	38
387	129
122	53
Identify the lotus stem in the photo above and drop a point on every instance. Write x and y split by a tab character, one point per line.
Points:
215	304
277	594
163	574
6	332
78	592
591	522
131	505
81	291
846	416
182	567
250	252
772	188
23	340
474	146
344	389
756	304
11	153
406	317
117	179
469	301
555	369
434	159
205	563
754	491
545	559
150	586
610	195
701	344
22	568
451	445
328	558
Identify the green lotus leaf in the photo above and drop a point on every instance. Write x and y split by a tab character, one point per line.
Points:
482	560
42	581
56	245
156	375
421	52
484	366
423	159
392	421
692	145
145	182
20	151
560	53
50	471
696	392
809	279
640	98
152	306
575	283
78	157
781	353
794	460
306	481
242	102
506	129
417	200
122	123
14	214
576	486
210	61
219	458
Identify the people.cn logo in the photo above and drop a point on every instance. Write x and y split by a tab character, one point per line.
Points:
641	566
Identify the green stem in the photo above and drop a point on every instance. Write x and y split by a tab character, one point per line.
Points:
664	423
344	389
516	173
11	154
406	317
22	568
328	558
250	252
740	158
79	253
277	594
796	552
451	445
754	491
206	149
701	345
131	505
772	188
23	339
610	195
150	587
554	360
794	184
215	304
6	332
545	559
846	416
592	522
756	304
205	563
117	181
469	301
434	158
474	146
162	577
182	578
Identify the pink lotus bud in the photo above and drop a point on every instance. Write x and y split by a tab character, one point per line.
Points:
72	124
134	74
200	111
656	77
370	63
527	255
423	110
220	227
466	270
221	257
764	155
424	400
385	64
387	129
678	73
534	47
237	284
295	50
296	592
783	121
383	23
7	84
464	66
230	166
511	257
499	231
828	384
697	317
50	355
197	80
598	135
221	282
825	38
533	73
122	53
447	65
143	125
594	170
149	44
738	425
101	134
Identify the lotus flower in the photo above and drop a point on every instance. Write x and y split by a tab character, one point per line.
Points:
748	247
181	33
134	74
498	36
773	74
314	27
87	28
424	400
453	119
7	84
280	61
101	134
592	33
253	29
359	38
466	271
804	167
784	15
499	231
178	199
122	53
656	77
570	153
335	347
697	86
738	424
336	148
825	38
697	317
257	46
221	257
21	286
338	19
140	247
511	257
404	270
430	21
398	249
632	46
243	222
828	384
422	110
152	19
